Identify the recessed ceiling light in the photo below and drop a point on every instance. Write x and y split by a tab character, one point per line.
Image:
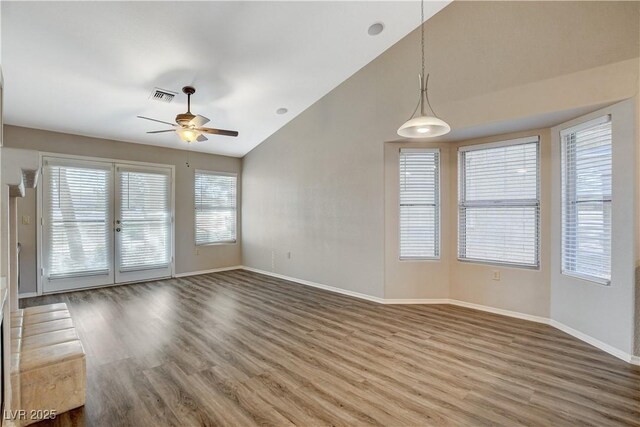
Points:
375	29
281	111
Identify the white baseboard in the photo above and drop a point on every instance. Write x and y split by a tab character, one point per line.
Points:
316	285
213	270
415	301
347	292
500	311
635	360
27	295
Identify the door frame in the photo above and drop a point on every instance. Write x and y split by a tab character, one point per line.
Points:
114	161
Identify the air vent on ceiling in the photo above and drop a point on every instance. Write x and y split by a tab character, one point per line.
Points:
162	95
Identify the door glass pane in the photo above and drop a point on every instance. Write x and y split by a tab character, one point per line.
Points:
77	220
145	217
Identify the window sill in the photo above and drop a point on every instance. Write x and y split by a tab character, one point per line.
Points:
203	245
587	278
401	259
500	264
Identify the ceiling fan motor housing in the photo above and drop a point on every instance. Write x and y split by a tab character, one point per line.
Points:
184	119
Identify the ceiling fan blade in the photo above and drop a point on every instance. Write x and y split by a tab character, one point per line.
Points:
201	138
199	121
218	131
159	121
160	131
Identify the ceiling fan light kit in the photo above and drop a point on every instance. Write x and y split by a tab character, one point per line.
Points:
188	135
189	126
425	125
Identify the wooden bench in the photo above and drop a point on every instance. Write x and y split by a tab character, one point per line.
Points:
48	368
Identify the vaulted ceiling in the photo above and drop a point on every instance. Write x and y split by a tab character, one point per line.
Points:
89	68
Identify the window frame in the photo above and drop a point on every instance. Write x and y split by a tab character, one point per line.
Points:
606	118
195	209
462	203
437	205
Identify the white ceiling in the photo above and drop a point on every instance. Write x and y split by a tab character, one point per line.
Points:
88	68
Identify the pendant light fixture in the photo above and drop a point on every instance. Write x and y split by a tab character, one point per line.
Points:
425	125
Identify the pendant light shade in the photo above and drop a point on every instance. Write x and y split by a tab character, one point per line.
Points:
425	125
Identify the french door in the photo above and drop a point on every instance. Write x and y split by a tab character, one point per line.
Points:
143	223
104	223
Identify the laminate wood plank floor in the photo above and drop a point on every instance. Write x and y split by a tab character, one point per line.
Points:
240	349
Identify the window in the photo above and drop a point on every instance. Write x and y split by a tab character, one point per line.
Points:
499	203
215	207
419	203
586	200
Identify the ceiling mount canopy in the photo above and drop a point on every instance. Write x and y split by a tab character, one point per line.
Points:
425	125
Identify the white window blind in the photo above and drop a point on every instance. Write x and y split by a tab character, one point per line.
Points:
499	203
419	203
145	219
586	200
77	224
215	207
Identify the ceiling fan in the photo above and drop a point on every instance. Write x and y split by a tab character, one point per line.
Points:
189	126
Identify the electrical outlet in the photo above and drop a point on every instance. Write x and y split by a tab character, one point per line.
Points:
26	220
288	255
496	275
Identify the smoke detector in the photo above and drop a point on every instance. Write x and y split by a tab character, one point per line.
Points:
162	95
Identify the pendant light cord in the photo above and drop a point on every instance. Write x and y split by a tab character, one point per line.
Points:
422	38
423	83
426	79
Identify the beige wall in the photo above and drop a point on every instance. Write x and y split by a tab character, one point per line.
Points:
317	187
323	188
317	193
605	313
416	279
637	180
187	260
27	238
519	289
